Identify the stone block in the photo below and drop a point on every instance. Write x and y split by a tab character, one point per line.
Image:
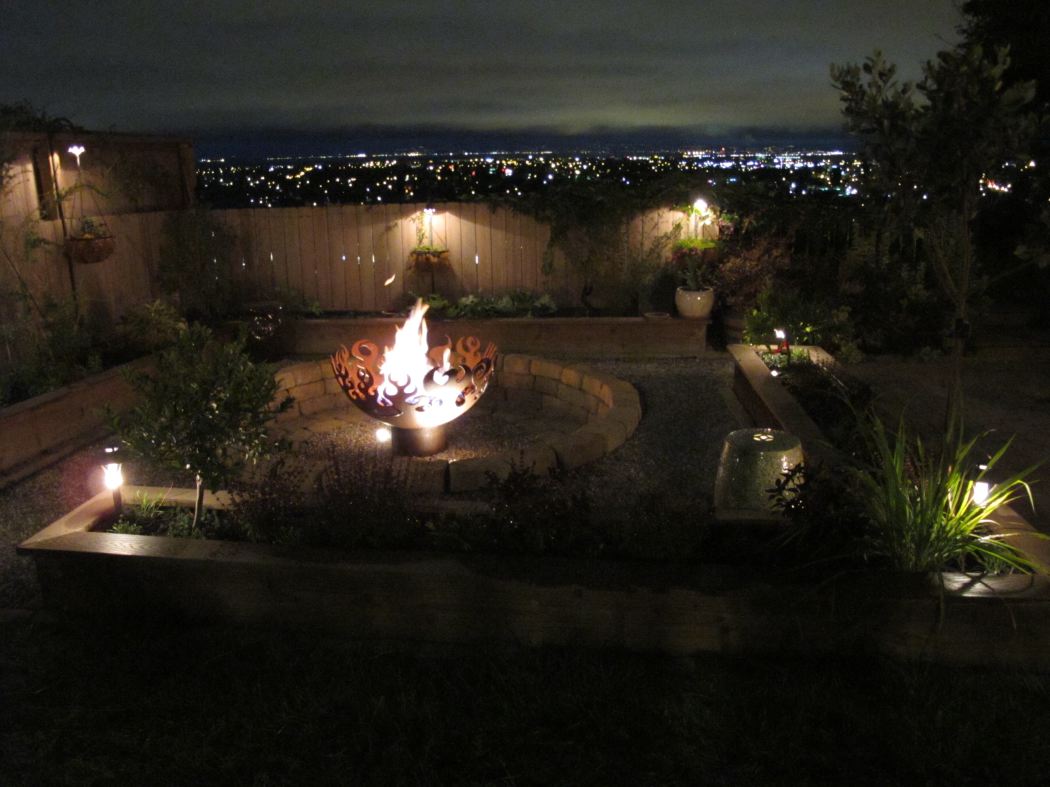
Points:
331	386
558	407
593	383
541	367
628	415
571	376
468	474
510	380
547	385
320	403
516	364
308	391
624	394
539	458
579	448
304	373
285	379
612	432
577	398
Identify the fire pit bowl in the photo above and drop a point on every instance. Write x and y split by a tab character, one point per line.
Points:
413	388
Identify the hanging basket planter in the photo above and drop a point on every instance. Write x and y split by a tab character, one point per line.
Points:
428	259
88	250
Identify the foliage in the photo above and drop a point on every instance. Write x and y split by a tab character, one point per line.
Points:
269	504
531	514
147	327
918	504
204	409
515	303
153	516
806	319
55	348
693	259
361	501
929	147
589	223
195	261
822	511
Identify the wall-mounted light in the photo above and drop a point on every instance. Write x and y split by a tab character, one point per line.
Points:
78	151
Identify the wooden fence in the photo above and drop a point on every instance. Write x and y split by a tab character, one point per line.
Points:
348	257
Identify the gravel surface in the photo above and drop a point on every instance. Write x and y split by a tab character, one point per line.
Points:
672	457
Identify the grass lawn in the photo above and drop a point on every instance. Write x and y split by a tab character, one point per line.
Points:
113	704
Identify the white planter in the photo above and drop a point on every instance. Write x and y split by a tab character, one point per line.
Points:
694	304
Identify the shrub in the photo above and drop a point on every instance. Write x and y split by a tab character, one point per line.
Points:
195	261
204	409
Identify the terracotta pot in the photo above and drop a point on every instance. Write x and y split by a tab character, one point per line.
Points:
694	304
89	250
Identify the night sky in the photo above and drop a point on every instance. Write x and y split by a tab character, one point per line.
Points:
632	69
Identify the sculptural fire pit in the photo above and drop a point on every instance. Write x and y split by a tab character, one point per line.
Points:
413	388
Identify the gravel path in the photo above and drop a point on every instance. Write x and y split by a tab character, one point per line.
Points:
672	457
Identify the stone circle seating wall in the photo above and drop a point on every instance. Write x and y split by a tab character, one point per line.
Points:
607	408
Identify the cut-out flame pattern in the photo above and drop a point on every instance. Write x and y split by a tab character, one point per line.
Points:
412	385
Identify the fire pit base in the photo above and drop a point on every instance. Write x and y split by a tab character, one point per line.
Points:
419	442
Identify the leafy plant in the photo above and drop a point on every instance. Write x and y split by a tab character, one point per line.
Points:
195	261
204	409
361	501
920	509
150	326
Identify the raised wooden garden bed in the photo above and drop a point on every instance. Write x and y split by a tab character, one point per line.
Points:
415	597
42	430
423	597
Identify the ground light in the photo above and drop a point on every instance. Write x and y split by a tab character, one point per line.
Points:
113	479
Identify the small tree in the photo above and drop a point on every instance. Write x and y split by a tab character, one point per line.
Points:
929	147
204	409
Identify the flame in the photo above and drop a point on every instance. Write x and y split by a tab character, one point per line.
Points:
412	385
406	365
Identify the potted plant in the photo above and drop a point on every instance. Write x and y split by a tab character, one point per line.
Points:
694	260
91	243
426	256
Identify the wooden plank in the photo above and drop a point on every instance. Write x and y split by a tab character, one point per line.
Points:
370	237
307	257
498	249
402	264
337	260
453	235
483	229
290	221
351	222
468	235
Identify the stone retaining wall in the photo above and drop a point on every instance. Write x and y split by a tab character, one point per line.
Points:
607	408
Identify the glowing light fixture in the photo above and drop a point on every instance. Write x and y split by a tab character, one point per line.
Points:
78	151
383	434
700	206
113	479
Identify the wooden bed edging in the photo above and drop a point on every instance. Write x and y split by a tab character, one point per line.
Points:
589	337
414	597
39	431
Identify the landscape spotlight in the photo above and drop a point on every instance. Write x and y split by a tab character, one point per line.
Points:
113	479
981	489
